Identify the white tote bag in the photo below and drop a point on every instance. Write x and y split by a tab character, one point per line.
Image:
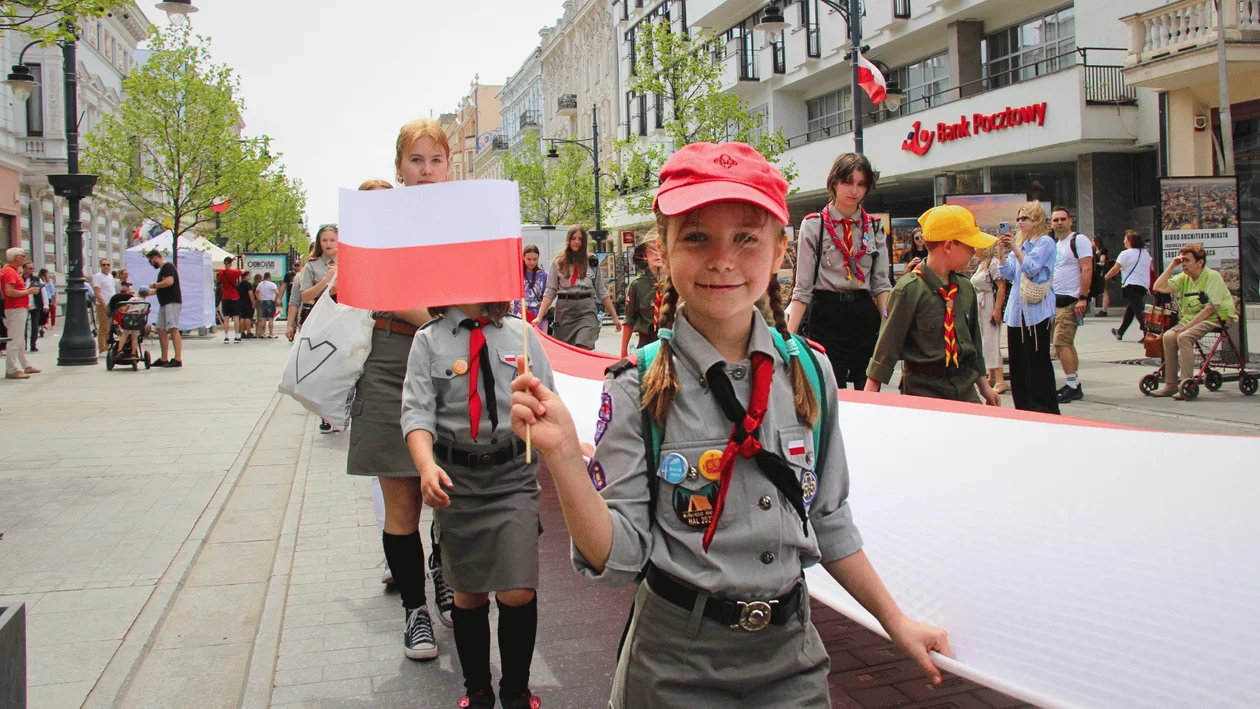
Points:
327	359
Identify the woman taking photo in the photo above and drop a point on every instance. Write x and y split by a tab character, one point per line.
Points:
1134	266
842	273
1028	263
577	290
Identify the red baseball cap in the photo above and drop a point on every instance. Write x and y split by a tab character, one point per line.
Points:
705	173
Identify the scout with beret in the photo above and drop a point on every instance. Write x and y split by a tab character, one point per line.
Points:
455	409
715	477
933	325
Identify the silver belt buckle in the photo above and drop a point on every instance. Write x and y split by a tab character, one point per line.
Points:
755	616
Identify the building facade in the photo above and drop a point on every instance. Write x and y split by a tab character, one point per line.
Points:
579	75
998	97
33	140
522	100
474	124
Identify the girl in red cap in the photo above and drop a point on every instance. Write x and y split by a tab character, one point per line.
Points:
709	478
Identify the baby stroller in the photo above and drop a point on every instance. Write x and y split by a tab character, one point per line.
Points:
129	318
1214	355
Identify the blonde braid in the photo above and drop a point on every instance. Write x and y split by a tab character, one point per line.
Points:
660	382
802	393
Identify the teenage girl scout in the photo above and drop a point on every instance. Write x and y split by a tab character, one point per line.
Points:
643	297
933	325
716	474
455	411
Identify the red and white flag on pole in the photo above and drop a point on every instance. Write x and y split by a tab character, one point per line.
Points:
430	245
871	80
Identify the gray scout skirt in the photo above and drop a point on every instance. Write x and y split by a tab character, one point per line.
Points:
376	441
490	530
678	659
576	322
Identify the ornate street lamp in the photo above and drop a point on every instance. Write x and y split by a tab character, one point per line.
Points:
177	10
772	23
599	234
21	80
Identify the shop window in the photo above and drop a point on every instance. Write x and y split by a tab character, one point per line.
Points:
830	114
35	106
1054	182
1037	47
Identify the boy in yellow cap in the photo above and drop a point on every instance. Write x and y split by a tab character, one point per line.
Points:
933	326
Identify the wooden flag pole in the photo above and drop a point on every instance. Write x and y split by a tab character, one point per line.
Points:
525	355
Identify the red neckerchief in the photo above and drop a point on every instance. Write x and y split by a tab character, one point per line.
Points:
476	344
951	335
846	244
657	301
762	374
574	279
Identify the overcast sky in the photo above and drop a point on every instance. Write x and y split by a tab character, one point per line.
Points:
331	81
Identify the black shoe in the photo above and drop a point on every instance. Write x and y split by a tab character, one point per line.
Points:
526	700
1068	394
1119	335
324	426
418	642
442	593
160	363
173	363
481	699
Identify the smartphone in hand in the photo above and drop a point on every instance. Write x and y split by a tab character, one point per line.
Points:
1004	228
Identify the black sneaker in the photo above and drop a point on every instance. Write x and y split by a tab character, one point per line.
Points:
442	593
526	700
173	363
324	426
418	642
481	699
160	363
1068	394
1116	332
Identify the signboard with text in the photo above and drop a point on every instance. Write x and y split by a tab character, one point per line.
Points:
627	238
275	264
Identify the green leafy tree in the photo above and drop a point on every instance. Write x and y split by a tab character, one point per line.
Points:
273	221
43	20
553	191
687	74
172	148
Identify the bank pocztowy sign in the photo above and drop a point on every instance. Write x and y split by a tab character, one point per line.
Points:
920	139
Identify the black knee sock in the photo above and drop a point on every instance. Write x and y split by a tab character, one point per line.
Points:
472	642
405	555
518	627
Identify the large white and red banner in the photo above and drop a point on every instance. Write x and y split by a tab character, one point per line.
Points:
1074	563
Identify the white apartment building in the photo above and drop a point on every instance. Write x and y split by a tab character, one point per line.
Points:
33	144
967	68
522	102
579	74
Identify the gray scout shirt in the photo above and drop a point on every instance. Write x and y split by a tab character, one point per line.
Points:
759	548
313	272
592	284
435	390
833	273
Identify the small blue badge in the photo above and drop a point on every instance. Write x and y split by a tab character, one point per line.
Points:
809	487
596	471
605	407
600	428
674	468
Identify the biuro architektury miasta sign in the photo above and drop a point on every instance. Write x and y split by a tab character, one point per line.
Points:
920	139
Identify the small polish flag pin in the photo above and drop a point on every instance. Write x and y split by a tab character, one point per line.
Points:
796	447
509	358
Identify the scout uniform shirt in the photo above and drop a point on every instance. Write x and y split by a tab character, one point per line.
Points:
641	304
592	286
833	273
759	548
915	333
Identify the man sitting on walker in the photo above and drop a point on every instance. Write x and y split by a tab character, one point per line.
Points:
1198	314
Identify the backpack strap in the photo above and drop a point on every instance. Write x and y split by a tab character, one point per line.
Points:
650	431
814	375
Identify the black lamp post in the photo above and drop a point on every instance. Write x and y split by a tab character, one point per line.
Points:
599	234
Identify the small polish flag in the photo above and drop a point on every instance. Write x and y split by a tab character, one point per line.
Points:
796	447
509	358
871	80
430	245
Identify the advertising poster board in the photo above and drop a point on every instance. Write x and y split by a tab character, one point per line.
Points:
275	264
990	210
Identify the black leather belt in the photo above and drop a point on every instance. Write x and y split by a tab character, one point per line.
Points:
748	615
478	459
571	296
843	296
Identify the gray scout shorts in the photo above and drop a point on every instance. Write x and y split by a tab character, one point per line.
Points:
168	316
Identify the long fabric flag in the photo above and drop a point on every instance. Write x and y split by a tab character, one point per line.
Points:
430	245
1074	563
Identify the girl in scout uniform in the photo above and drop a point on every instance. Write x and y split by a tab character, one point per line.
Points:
455	411
577	291
842	272
643	297
742	500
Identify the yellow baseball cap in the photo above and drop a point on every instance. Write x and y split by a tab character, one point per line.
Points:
950	222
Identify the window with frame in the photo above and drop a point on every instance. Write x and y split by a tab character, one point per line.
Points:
643	114
925	84
740	43
35	106
1036	47
830	114
761	117
660	12
810	11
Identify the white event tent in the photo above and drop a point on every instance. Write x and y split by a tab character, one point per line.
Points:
196	279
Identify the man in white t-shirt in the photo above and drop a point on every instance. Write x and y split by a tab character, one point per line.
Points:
104	287
266	292
1073	271
1134	268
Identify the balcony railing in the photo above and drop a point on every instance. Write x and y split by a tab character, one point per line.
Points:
1105	84
567	102
500	142
1188	24
530	119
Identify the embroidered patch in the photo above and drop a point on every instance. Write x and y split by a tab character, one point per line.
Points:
596	471
605	407
695	508
711	465
809	487
600	428
796	447
673	468
510	359
460	367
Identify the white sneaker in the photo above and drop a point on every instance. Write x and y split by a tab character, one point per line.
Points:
387	577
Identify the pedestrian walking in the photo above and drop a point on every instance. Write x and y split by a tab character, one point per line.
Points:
170	305
231	300
317	279
991	294
245	305
721	532
17	306
293	299
842	276
535	287
266	291
457	403
933	325
1073	283
104	286
1028	262
576	289
37	305
50	298
643	296
1098	284
377	446
1134	266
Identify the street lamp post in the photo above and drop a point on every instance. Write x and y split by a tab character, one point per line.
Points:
598	233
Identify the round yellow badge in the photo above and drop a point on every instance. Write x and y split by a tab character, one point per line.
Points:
460	367
711	465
